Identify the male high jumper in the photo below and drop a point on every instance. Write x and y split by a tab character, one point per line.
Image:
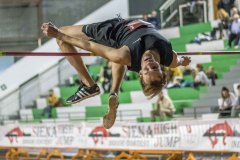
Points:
132	44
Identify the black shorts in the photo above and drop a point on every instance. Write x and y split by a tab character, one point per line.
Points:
102	32
114	32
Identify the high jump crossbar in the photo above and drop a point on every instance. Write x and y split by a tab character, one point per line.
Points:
92	54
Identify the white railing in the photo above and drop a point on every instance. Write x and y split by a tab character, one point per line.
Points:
175	12
181	7
167	6
169	11
171	8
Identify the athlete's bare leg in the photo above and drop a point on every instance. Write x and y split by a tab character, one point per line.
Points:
118	72
121	55
76	62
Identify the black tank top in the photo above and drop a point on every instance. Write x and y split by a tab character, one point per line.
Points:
146	38
138	35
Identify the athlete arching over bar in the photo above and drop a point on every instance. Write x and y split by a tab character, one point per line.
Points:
132	44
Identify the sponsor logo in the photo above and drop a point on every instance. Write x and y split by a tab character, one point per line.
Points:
15	133
99	133
219	130
138	23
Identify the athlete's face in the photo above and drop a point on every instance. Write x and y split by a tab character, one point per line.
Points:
150	69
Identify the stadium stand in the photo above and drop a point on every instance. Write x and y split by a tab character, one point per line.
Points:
184	98
135	107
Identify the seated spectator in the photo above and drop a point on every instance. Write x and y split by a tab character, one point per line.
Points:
154	19
174	77
200	78
176	73
165	107
211	74
223	24
226	102
234	31
52	101
224	15
236	106
105	77
226	5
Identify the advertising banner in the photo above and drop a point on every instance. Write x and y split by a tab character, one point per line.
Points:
195	135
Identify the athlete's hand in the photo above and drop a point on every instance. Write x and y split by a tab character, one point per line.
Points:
185	60
50	30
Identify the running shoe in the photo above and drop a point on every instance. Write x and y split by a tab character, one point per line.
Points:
110	117
83	92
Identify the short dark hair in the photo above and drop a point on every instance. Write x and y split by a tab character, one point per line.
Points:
224	89
155	87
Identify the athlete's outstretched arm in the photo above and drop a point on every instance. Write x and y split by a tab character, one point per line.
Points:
183	61
120	56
